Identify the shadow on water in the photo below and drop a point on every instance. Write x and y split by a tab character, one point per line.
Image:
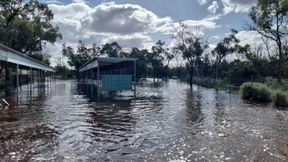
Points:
24	132
167	121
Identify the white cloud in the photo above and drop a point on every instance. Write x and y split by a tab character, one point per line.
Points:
256	42
136	40
52	2
130	25
110	18
79	21
251	38
213	7
206	23
202	2
237	5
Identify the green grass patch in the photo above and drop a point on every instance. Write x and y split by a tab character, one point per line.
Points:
255	92
280	99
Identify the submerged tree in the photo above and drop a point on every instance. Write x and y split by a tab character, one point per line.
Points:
155	58
270	20
160	53
222	50
191	45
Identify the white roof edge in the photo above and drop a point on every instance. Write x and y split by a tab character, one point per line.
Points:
98	60
38	64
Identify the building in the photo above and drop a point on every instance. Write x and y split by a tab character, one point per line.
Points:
109	74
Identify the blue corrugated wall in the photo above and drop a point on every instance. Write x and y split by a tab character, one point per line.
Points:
116	82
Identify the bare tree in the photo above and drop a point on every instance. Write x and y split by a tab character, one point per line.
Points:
191	45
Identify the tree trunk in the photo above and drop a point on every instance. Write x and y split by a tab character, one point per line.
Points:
167	70
216	73
281	59
191	76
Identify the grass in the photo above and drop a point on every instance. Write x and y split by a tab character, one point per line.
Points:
280	99
255	92
209	83
276	85
271	90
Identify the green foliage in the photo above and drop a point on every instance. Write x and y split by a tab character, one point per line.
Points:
280	99
141	64
24	25
255	92
41	57
111	49
155	58
63	72
270	19
223	49
209	83
275	84
191	45
83	54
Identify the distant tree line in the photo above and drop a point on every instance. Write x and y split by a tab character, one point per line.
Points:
25	25
269	19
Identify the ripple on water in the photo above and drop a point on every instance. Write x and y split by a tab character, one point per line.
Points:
166	122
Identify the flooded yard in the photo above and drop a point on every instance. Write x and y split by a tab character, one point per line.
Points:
166	122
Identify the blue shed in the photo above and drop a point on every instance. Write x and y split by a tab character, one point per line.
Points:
110	74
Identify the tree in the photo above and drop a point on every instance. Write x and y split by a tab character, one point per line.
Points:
79	58
222	50
25	25
270	20
155	58
191	45
168	56
163	53
141	64
111	49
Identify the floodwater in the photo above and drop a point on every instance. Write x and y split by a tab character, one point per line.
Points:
166	122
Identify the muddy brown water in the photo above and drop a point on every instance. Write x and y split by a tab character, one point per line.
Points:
166	122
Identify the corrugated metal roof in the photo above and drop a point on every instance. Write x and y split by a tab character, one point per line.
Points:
102	61
10	55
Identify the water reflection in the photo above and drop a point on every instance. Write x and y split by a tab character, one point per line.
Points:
166	122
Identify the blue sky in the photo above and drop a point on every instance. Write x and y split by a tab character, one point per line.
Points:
140	23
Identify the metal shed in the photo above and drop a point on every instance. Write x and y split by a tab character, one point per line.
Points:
109	74
14	62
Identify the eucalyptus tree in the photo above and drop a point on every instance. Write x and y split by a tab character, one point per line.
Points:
163	53
82	55
191	44
111	49
24	25
223	49
155	58
141	63
270	20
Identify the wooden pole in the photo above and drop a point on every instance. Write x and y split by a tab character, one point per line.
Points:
31	81
17	82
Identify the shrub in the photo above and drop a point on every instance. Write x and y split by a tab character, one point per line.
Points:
255	91
280	99
275	84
